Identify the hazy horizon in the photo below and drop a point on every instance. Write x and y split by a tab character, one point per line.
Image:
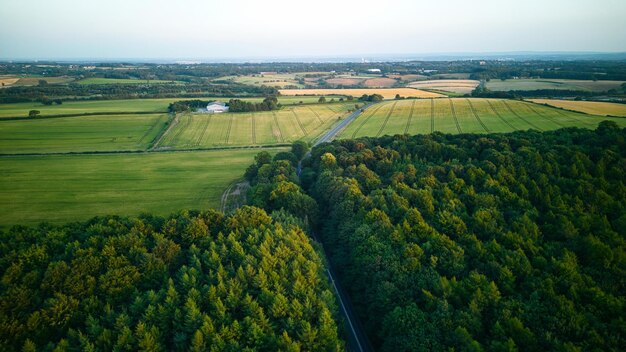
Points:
194	29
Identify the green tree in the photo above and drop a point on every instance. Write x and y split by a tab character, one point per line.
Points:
299	149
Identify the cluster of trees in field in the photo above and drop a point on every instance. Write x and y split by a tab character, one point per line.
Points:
375	98
497	242
187	105
269	103
190	282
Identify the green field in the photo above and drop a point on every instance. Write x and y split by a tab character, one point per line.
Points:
259	128
129	105
464	116
80	134
60	188
123	81
561	84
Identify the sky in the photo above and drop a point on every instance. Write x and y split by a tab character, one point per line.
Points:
196	29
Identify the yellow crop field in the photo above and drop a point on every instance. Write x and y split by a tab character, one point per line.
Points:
8	80
450	85
387	93
588	107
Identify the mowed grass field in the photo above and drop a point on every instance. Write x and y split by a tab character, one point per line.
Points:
387	93
61	188
129	105
588	107
464	115
561	84
80	134
305	122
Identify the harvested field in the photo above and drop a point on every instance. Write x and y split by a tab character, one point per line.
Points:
387	93
344	81
8	80
33	81
380	82
588	107
461	86
409	77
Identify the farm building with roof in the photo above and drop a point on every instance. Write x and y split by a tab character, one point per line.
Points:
216	107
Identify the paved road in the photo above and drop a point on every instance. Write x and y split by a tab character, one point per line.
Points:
330	134
333	132
357	339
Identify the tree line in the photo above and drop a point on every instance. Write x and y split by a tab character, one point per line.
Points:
74	91
238	105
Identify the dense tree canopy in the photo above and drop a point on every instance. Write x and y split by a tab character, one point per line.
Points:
237	105
480	242
191	282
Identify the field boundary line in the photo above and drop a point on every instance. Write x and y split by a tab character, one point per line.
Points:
476	115
365	120
520	117
300	123
179	132
206	126
544	116
157	140
280	132
253	128
456	121
393	106
156	123
143	151
316	115
500	116
101	113
230	125
408	122
432	115
561	112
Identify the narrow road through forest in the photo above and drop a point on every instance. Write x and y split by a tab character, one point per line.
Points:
357	339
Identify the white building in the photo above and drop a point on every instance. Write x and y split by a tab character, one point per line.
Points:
216	107
373	70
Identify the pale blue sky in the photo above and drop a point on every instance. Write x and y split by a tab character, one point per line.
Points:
290	28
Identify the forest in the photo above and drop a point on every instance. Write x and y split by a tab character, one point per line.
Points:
498	242
196	281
